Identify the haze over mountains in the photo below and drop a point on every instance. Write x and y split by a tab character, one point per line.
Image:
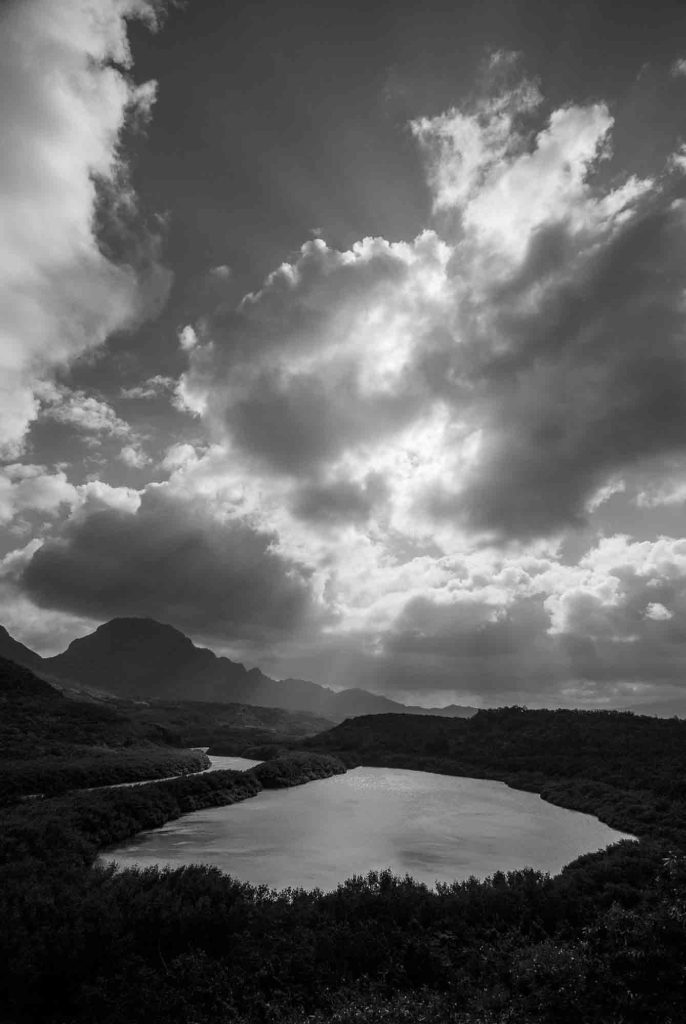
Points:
135	657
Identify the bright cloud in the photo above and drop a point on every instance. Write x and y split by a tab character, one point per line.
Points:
495	380
31	488
81	411
134	456
153	387
65	102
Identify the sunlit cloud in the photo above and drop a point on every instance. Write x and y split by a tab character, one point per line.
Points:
66	98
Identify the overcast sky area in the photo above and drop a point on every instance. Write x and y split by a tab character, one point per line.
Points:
350	339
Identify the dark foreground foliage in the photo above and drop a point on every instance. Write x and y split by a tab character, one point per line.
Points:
604	942
600	943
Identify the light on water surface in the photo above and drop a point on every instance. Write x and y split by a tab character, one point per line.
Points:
434	827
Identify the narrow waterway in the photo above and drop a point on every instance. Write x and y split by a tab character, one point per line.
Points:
237	764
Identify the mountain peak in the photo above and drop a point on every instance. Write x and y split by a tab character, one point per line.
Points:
127	634
140	628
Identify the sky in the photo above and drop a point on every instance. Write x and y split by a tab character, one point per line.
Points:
351	339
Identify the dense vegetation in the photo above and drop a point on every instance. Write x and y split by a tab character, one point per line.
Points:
36	720
600	943
229	729
604	942
48	776
50	744
628	770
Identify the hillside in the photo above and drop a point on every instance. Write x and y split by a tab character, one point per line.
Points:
227	728
37	720
50	744
610	746
12	650
132	657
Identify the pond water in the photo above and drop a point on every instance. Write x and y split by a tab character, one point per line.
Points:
433	827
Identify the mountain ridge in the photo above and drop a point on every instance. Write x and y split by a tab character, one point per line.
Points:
17	652
141	658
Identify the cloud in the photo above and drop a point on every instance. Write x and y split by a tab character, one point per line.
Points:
316	362
188	339
82	411
665	485
96	496
511	352
33	488
344	501
133	456
47	632
487	627
220	273
464	147
66	98
657	612
153	387
175	560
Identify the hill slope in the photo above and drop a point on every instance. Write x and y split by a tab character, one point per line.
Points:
49	744
12	650
37	720
609	747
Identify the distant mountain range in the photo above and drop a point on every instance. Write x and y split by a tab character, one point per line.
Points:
141	658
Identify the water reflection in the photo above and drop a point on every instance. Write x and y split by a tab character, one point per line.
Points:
434	827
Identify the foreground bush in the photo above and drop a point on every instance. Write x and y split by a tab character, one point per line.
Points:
194	945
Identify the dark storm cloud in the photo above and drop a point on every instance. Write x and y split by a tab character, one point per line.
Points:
171	560
588	379
340	501
294	423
